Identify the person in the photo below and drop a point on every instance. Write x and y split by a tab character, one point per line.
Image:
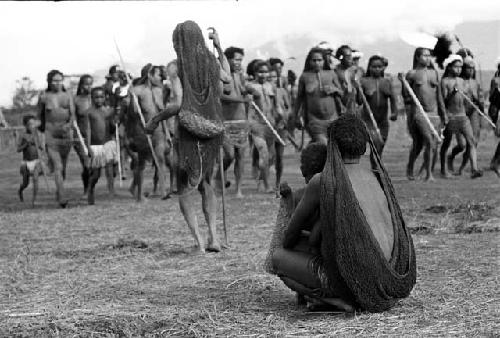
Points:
424	81
99	136
346	73
452	87
201	128
472	88
149	93
359	257
277	65
380	96
3	121
495	161
234	111
57	113
263	139
318	95
356	57
494	99
82	104
111	84
31	165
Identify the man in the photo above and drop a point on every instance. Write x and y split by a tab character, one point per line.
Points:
277	65
361	257
112	82
100	132
149	93
346	73
234	111
200	128
318	96
57	113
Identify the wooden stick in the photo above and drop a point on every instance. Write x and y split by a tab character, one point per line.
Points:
223	183
280	140
420	108
117	135
476	108
80	138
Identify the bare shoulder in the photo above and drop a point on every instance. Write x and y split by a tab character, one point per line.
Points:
314	184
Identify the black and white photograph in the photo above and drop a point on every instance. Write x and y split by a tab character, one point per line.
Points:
250	168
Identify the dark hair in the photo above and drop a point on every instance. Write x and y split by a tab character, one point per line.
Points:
340	51
96	89
251	67
292	77
51	75
314	50
230	51
113	69
275	61
448	68
418	52
374	58
466	65
350	134
258	64
79	89
27	118
313	158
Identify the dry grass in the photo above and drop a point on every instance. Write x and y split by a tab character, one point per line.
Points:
124	269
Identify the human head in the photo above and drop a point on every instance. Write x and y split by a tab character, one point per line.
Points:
98	97
277	64
261	71
55	81
421	57
376	66
273	77
172	69
29	122
251	68
292	77
453	65
316	60
312	159
123	78
468	68
234	56
84	85
356	56
344	54
113	72
350	135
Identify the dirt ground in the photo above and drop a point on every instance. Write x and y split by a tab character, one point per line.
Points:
125	269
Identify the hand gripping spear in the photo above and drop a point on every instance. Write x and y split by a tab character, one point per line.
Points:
476	108
139	111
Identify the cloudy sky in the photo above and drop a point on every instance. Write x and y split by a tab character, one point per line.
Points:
77	37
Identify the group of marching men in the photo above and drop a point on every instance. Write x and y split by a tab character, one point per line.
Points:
108	124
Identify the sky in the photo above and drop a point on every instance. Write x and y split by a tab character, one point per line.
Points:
77	37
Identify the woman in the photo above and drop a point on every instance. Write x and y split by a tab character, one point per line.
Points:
359	253
378	92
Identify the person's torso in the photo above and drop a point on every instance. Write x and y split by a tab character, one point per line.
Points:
373	203
424	83
377	92
264	102
30	152
57	107
454	103
100	123
235	110
319	105
82	104
149	100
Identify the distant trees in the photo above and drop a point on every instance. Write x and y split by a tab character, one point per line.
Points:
25	95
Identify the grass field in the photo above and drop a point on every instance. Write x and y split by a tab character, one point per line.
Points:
125	269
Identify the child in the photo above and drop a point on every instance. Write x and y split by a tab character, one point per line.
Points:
31	165
453	88
100	142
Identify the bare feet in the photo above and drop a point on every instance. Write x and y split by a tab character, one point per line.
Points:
476	174
446	175
20	193
429	178
239	195
213	248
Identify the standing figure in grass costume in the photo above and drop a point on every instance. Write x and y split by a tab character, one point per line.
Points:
201	126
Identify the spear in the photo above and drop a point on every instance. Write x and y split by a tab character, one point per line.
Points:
476	108
139	111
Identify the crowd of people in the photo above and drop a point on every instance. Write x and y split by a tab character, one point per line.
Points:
200	113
